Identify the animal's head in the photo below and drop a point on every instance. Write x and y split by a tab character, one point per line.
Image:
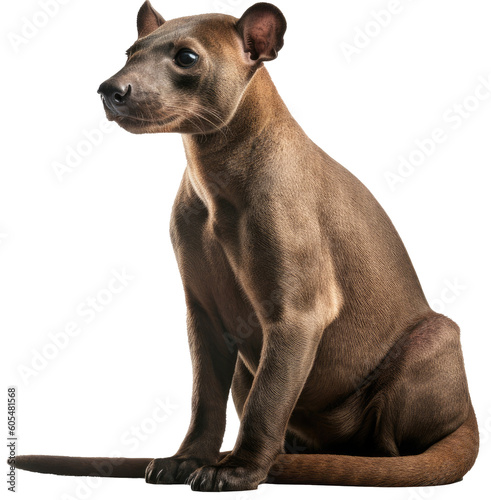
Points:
188	75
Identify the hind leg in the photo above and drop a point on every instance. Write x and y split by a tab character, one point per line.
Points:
427	397
241	385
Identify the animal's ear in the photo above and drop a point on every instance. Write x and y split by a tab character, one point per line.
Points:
262	28
148	19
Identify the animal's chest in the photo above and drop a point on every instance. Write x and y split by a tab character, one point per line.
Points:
207	251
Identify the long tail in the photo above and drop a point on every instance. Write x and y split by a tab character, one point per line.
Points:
445	462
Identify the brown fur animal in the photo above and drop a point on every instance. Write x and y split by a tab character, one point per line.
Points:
301	297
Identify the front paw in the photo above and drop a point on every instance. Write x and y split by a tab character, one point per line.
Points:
227	475
172	470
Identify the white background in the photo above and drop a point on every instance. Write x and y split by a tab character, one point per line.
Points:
60	240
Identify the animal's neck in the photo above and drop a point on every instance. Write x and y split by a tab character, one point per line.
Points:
229	153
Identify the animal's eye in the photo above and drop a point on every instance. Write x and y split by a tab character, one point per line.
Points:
186	58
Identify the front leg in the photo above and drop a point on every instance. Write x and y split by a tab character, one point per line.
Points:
287	356
213	367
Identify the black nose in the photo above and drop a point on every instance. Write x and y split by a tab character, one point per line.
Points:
114	93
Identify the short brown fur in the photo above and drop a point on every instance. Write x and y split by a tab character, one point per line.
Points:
301	296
